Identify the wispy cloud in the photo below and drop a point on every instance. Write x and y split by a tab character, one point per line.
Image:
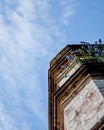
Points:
68	10
28	33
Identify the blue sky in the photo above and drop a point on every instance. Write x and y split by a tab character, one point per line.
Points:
32	32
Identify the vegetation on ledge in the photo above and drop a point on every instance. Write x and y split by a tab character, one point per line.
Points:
89	53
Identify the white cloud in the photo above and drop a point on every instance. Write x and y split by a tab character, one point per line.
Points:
28	34
68	11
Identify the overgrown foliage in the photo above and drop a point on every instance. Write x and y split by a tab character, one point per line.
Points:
87	53
90	53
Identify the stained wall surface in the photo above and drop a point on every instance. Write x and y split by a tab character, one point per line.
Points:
86	108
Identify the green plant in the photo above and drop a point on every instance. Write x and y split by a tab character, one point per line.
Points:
90	53
87	53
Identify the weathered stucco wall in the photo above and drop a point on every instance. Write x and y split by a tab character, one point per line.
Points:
69	73
86	108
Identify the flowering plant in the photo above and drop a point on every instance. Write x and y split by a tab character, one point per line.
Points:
87	53
90	53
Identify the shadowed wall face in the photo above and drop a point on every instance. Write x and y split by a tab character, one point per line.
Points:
100	84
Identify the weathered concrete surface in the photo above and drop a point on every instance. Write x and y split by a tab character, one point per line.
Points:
86	108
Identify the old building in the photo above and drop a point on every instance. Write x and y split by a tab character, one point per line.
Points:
76	92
